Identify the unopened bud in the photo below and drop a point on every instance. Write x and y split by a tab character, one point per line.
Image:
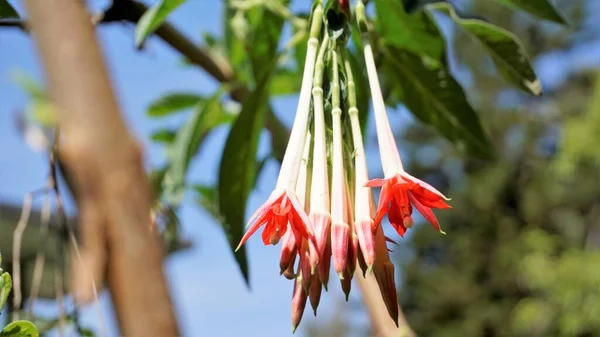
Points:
339	247
298	303
324	266
314	293
346	283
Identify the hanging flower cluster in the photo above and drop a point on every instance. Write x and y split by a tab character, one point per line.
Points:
322	209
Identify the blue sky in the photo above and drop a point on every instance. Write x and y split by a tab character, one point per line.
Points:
209	294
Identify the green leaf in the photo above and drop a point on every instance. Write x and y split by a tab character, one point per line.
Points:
417	33
153	18
505	49
208	198
20	329
186	145
5	287
164	136
285	82
266	30
31	86
434	97
237	172
7	11
235	48
540	8
173	102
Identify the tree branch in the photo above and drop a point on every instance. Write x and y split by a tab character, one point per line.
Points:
131	11
113	193
381	323
218	68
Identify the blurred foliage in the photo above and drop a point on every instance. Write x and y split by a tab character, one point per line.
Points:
522	253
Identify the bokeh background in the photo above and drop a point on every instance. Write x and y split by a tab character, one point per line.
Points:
521	257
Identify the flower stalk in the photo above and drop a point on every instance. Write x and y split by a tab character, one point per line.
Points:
319	193
339	224
363	218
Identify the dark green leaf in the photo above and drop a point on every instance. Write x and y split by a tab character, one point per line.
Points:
173	102
208	198
164	136
156	178
235	48
504	48
85	332
266	30
186	145
285	82
7	11
237	172
434	96
5	287
540	8
20	329
153	18
417	33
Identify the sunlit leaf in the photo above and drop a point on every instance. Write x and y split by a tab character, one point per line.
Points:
186	145
7	11
505	49
20	329
417	33
173	102
153	18
165	136
237	172
540	8
266	31
5	287
434	97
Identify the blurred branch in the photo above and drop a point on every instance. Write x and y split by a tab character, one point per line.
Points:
382	325
219	68
113	194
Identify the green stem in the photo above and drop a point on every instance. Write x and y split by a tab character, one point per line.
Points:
361	17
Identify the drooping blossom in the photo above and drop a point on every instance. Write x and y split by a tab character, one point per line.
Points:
340	229
400	191
319	192
363	219
282	207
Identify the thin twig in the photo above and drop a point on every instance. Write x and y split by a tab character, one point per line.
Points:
40	257
17	240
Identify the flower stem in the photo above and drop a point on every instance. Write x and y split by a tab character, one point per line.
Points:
361	206
337	181
319	197
290	164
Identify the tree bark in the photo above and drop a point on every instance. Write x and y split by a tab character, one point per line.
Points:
113	193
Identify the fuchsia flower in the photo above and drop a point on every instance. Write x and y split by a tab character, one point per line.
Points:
323	218
399	193
283	206
400	190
